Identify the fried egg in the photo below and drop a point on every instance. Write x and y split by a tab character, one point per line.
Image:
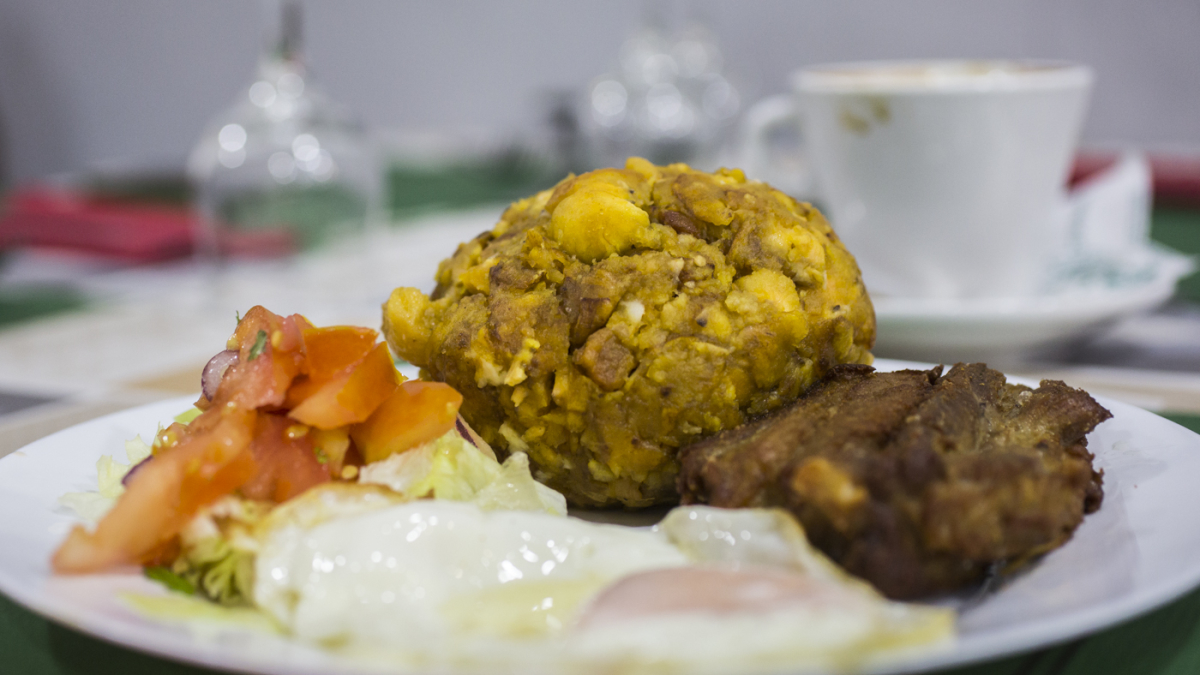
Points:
448	585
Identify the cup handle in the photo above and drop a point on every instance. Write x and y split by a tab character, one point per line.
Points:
786	171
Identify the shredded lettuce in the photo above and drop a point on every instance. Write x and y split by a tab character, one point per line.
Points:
514	489
218	571
187	416
458	470
170	579
217	550
452	468
91	506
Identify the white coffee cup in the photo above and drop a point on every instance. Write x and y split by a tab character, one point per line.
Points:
945	178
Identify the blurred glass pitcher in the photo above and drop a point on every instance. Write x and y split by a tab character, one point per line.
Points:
284	169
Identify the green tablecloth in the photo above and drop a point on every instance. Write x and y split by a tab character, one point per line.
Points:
1163	642
1180	229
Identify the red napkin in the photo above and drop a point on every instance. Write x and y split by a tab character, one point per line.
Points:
1176	177
63	218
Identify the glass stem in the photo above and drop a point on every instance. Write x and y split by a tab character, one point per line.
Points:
283	31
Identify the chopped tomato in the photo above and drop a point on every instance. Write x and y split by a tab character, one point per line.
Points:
271	355
329	351
279	423
352	395
418	412
166	493
286	459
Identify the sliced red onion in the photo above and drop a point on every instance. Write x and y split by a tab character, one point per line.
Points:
465	430
214	370
134	469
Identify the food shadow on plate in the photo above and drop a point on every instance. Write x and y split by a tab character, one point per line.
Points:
646	517
1098	564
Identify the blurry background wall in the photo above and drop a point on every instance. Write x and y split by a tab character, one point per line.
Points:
133	81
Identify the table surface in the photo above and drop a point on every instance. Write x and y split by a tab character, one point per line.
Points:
88	340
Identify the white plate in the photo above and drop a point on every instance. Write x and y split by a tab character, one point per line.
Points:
1140	550
993	329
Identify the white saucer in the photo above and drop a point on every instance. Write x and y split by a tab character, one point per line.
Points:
1092	295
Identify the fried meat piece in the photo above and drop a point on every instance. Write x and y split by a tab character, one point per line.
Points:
914	480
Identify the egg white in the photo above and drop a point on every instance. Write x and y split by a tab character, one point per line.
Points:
385	576
446	585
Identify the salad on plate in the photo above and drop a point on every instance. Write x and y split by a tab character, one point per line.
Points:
356	511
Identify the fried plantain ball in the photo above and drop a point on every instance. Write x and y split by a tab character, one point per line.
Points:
625	313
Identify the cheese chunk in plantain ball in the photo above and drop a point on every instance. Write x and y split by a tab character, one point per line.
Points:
605	323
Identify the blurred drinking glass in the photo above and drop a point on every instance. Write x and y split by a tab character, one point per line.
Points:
284	169
669	100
